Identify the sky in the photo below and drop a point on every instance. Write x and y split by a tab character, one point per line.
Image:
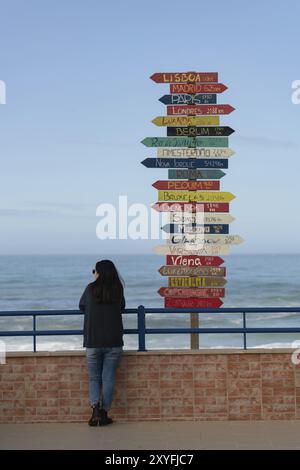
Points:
79	101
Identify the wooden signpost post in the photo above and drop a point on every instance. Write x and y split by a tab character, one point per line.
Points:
195	151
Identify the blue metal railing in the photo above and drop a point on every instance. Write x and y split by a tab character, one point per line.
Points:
142	330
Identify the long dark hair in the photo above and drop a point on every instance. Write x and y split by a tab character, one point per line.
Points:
109	286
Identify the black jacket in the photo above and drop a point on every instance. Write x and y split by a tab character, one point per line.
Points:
103	326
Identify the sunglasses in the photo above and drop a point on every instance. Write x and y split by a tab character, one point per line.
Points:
94	270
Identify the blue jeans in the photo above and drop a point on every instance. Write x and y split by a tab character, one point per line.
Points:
102	366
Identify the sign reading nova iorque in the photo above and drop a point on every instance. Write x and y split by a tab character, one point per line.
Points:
191	163
186	77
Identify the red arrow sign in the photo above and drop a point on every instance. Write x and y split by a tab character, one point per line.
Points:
191	292
192	302
195	88
191	207
185	77
193	260
187	185
201	109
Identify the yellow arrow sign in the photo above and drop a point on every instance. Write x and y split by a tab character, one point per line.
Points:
200	152
174	121
195	196
196	281
192	249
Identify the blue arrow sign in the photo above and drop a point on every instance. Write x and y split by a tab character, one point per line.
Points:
185	163
189	99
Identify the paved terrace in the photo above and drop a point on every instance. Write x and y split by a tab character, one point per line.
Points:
161	435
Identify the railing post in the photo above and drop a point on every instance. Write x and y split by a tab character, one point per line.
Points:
141	327
34	331
244	334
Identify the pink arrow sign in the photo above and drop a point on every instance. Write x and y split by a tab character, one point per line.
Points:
199	110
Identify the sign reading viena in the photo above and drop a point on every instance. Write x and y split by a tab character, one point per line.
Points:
194	151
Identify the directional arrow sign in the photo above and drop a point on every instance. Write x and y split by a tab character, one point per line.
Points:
200	109
187	185
194	271
185	77
190	302
186	249
189	163
206	239
196	174
202	152
197	88
200	218
188	99
217	131
191	292
191	228
196	282
196	196
191	207
186	121
185	141
193	261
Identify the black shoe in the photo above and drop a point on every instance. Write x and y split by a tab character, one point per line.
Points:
104	419
94	419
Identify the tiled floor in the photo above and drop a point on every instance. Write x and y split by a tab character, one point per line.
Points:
154	435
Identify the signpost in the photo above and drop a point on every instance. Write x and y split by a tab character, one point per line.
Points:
173	270
197	88
192	292
195	152
191	302
203	152
197	196
206	131
185	142
193	228
189	163
201	109
189	99
191	206
187	249
193	261
187	185
186	77
186	121
193	174
196	281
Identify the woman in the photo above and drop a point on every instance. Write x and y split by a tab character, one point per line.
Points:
102	302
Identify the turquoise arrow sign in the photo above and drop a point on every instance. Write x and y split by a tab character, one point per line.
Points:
191	142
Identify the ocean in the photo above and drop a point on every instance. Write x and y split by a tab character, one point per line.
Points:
57	282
